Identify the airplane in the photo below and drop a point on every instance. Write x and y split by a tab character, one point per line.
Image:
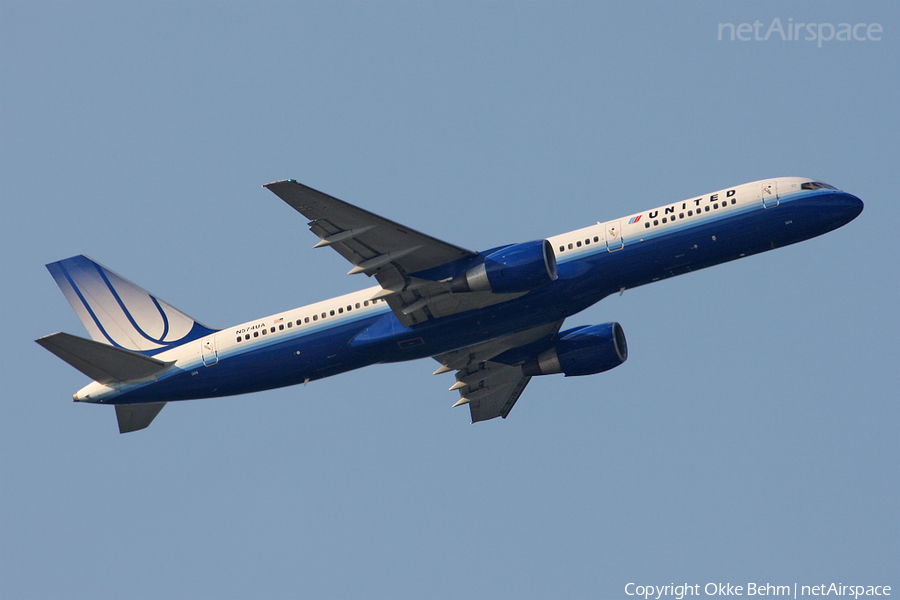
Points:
494	317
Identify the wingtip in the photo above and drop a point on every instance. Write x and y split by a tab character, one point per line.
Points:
271	183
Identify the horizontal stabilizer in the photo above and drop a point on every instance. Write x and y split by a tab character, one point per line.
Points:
102	362
136	416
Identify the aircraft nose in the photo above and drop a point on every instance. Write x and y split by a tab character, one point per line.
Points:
836	209
833	209
848	205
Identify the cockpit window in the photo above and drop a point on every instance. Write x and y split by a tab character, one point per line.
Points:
816	185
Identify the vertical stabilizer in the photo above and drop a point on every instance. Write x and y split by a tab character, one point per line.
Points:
116	311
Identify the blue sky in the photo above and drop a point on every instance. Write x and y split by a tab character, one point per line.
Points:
752	436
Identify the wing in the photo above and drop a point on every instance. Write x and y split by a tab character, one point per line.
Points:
491	388
496	394
390	252
371	243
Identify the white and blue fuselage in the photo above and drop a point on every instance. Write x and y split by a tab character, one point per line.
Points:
364	328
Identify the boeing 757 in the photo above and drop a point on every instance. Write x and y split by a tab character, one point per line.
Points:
494	317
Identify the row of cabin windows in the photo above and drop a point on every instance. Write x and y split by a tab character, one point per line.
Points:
305	320
577	244
690	213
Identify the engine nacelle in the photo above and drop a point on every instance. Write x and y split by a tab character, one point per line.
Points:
517	268
582	351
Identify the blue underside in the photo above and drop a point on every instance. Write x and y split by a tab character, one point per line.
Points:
583	280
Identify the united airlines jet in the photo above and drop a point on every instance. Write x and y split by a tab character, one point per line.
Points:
494	317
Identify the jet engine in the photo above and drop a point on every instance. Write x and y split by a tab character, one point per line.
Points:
582	351
517	268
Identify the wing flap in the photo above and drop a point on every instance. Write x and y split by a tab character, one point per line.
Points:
495	394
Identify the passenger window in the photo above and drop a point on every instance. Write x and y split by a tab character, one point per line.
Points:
562	248
366	303
715	206
570	246
656	221
596	238
647	225
281	328
733	201
265	331
681	215
664	220
326	314
315	317
247	337
332	313
357	305
707	208
578	243
255	334
690	213
290	324
239	339
340	310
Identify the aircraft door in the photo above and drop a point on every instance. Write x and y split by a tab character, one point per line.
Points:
614	240
208	351
769	193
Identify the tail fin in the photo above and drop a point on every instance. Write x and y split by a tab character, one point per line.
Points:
120	313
